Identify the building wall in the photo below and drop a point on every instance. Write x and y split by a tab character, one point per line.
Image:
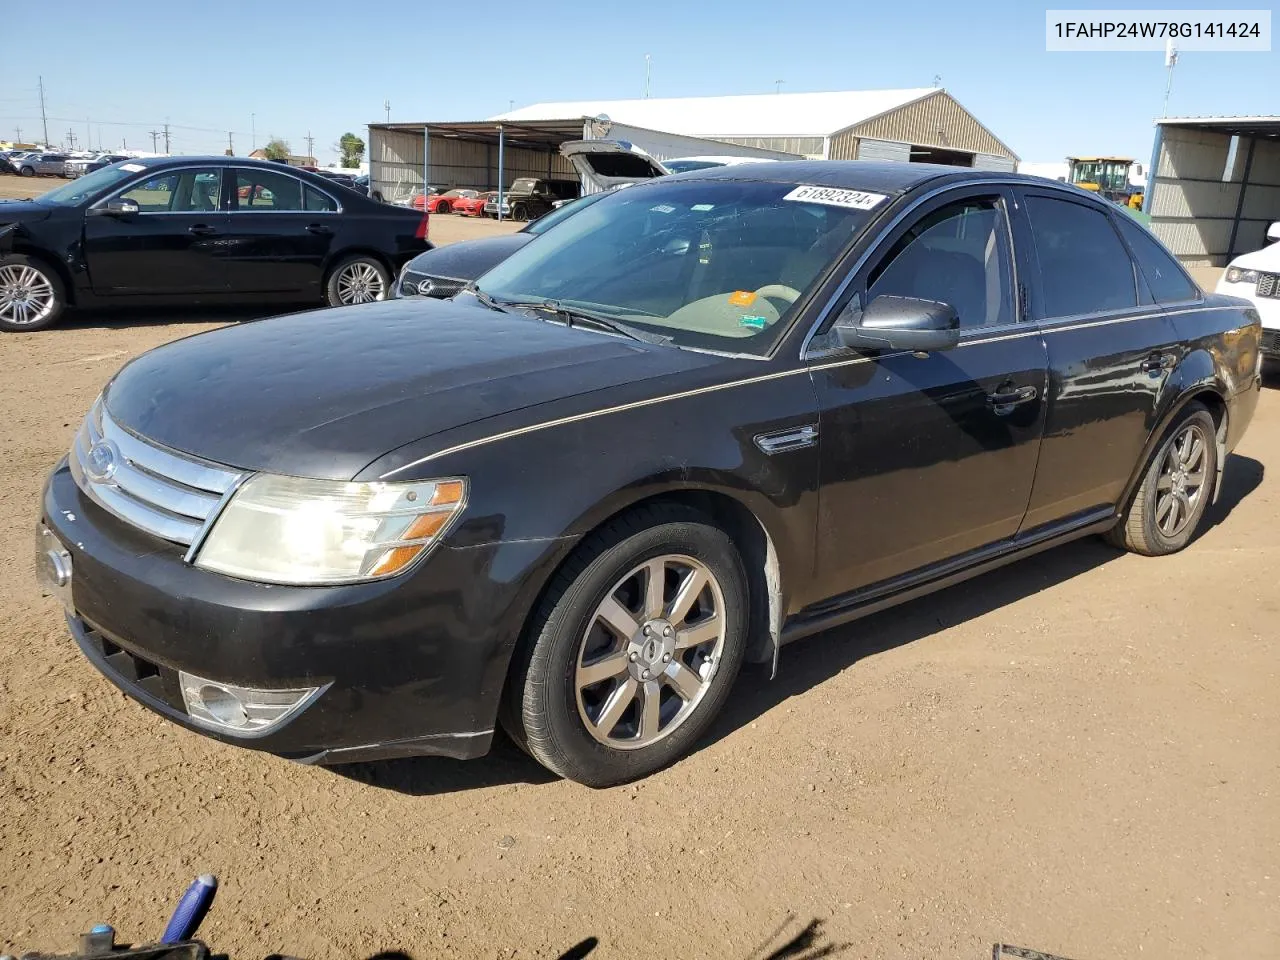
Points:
934	121
1194	196
869	149
811	148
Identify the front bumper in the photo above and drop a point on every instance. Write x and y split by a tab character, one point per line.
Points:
408	666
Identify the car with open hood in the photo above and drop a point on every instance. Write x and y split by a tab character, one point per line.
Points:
701	418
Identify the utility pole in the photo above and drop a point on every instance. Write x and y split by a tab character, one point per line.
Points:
311	143
19	140
777	85
166	138
648	62
88	135
1170	61
154	135
386	105
231	149
44	119
253	131
71	139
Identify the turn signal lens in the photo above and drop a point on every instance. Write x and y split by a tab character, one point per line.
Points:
296	531
1236	275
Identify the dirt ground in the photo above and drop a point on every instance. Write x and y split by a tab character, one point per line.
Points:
1077	754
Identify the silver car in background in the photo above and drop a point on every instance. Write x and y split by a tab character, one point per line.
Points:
42	165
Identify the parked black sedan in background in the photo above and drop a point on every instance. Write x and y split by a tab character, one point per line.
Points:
198	230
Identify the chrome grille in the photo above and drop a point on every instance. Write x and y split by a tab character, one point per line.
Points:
158	490
1269	285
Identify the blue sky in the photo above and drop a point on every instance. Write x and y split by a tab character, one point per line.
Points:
327	67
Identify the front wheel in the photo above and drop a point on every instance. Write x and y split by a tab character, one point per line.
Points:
1176	488
358	279
27	172
31	294
519	213
634	649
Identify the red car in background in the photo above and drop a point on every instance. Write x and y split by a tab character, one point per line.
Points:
444	202
472	206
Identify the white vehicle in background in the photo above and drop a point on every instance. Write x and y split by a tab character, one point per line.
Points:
1256	277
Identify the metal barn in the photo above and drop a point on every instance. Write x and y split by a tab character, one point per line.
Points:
1214	186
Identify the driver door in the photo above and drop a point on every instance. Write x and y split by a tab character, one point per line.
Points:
926	456
172	245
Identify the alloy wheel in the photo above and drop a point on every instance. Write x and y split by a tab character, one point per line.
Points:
1181	484
650	652
26	294
360	283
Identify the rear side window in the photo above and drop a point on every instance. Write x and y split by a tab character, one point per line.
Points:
320	202
1084	268
266	190
1168	282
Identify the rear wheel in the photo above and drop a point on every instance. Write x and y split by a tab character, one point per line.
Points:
357	279
31	294
634	649
1175	490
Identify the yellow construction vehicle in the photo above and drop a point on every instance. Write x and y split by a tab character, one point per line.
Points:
1108	176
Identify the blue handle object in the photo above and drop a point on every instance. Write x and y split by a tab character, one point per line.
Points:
191	909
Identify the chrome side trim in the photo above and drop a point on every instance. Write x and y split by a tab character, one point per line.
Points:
784	441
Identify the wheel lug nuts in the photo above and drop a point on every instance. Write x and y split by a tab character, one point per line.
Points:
666	632
666	658
644	674
634	657
648	631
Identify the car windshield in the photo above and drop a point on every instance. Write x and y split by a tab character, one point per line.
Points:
545	223
87	187
708	264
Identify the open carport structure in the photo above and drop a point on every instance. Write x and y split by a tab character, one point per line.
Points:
490	154
1214	186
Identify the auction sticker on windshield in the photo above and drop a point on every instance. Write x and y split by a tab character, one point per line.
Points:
835	197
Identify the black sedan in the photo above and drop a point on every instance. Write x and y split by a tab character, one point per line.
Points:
704	417
186	230
442	272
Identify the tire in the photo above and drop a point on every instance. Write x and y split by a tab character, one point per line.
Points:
357	279
443	208
553	706
520	213
27	171
32	296
1159	521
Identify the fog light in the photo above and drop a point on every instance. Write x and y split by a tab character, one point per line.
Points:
242	711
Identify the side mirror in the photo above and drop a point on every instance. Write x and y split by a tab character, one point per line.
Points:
1273	231
116	207
900	323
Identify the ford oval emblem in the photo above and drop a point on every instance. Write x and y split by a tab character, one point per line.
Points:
101	463
425	287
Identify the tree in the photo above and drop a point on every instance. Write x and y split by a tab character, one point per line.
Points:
277	149
352	149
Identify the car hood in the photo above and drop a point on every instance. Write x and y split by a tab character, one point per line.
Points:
468	259
1268	258
323	394
22	211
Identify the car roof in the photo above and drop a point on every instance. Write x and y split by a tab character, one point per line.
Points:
882	176
219	159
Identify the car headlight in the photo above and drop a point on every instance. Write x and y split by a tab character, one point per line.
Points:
1236	275
294	531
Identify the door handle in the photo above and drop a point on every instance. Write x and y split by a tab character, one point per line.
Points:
202	230
319	228
1157	362
1002	401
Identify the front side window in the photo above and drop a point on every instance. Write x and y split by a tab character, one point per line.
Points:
712	264
957	254
1168	282
267	191
1084	268
178	191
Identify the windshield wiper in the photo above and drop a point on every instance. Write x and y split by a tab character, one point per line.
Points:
572	315
484	298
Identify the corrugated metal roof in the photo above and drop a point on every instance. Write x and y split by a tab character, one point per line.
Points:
764	115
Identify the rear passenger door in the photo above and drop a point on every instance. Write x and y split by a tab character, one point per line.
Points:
281	233
1110	352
